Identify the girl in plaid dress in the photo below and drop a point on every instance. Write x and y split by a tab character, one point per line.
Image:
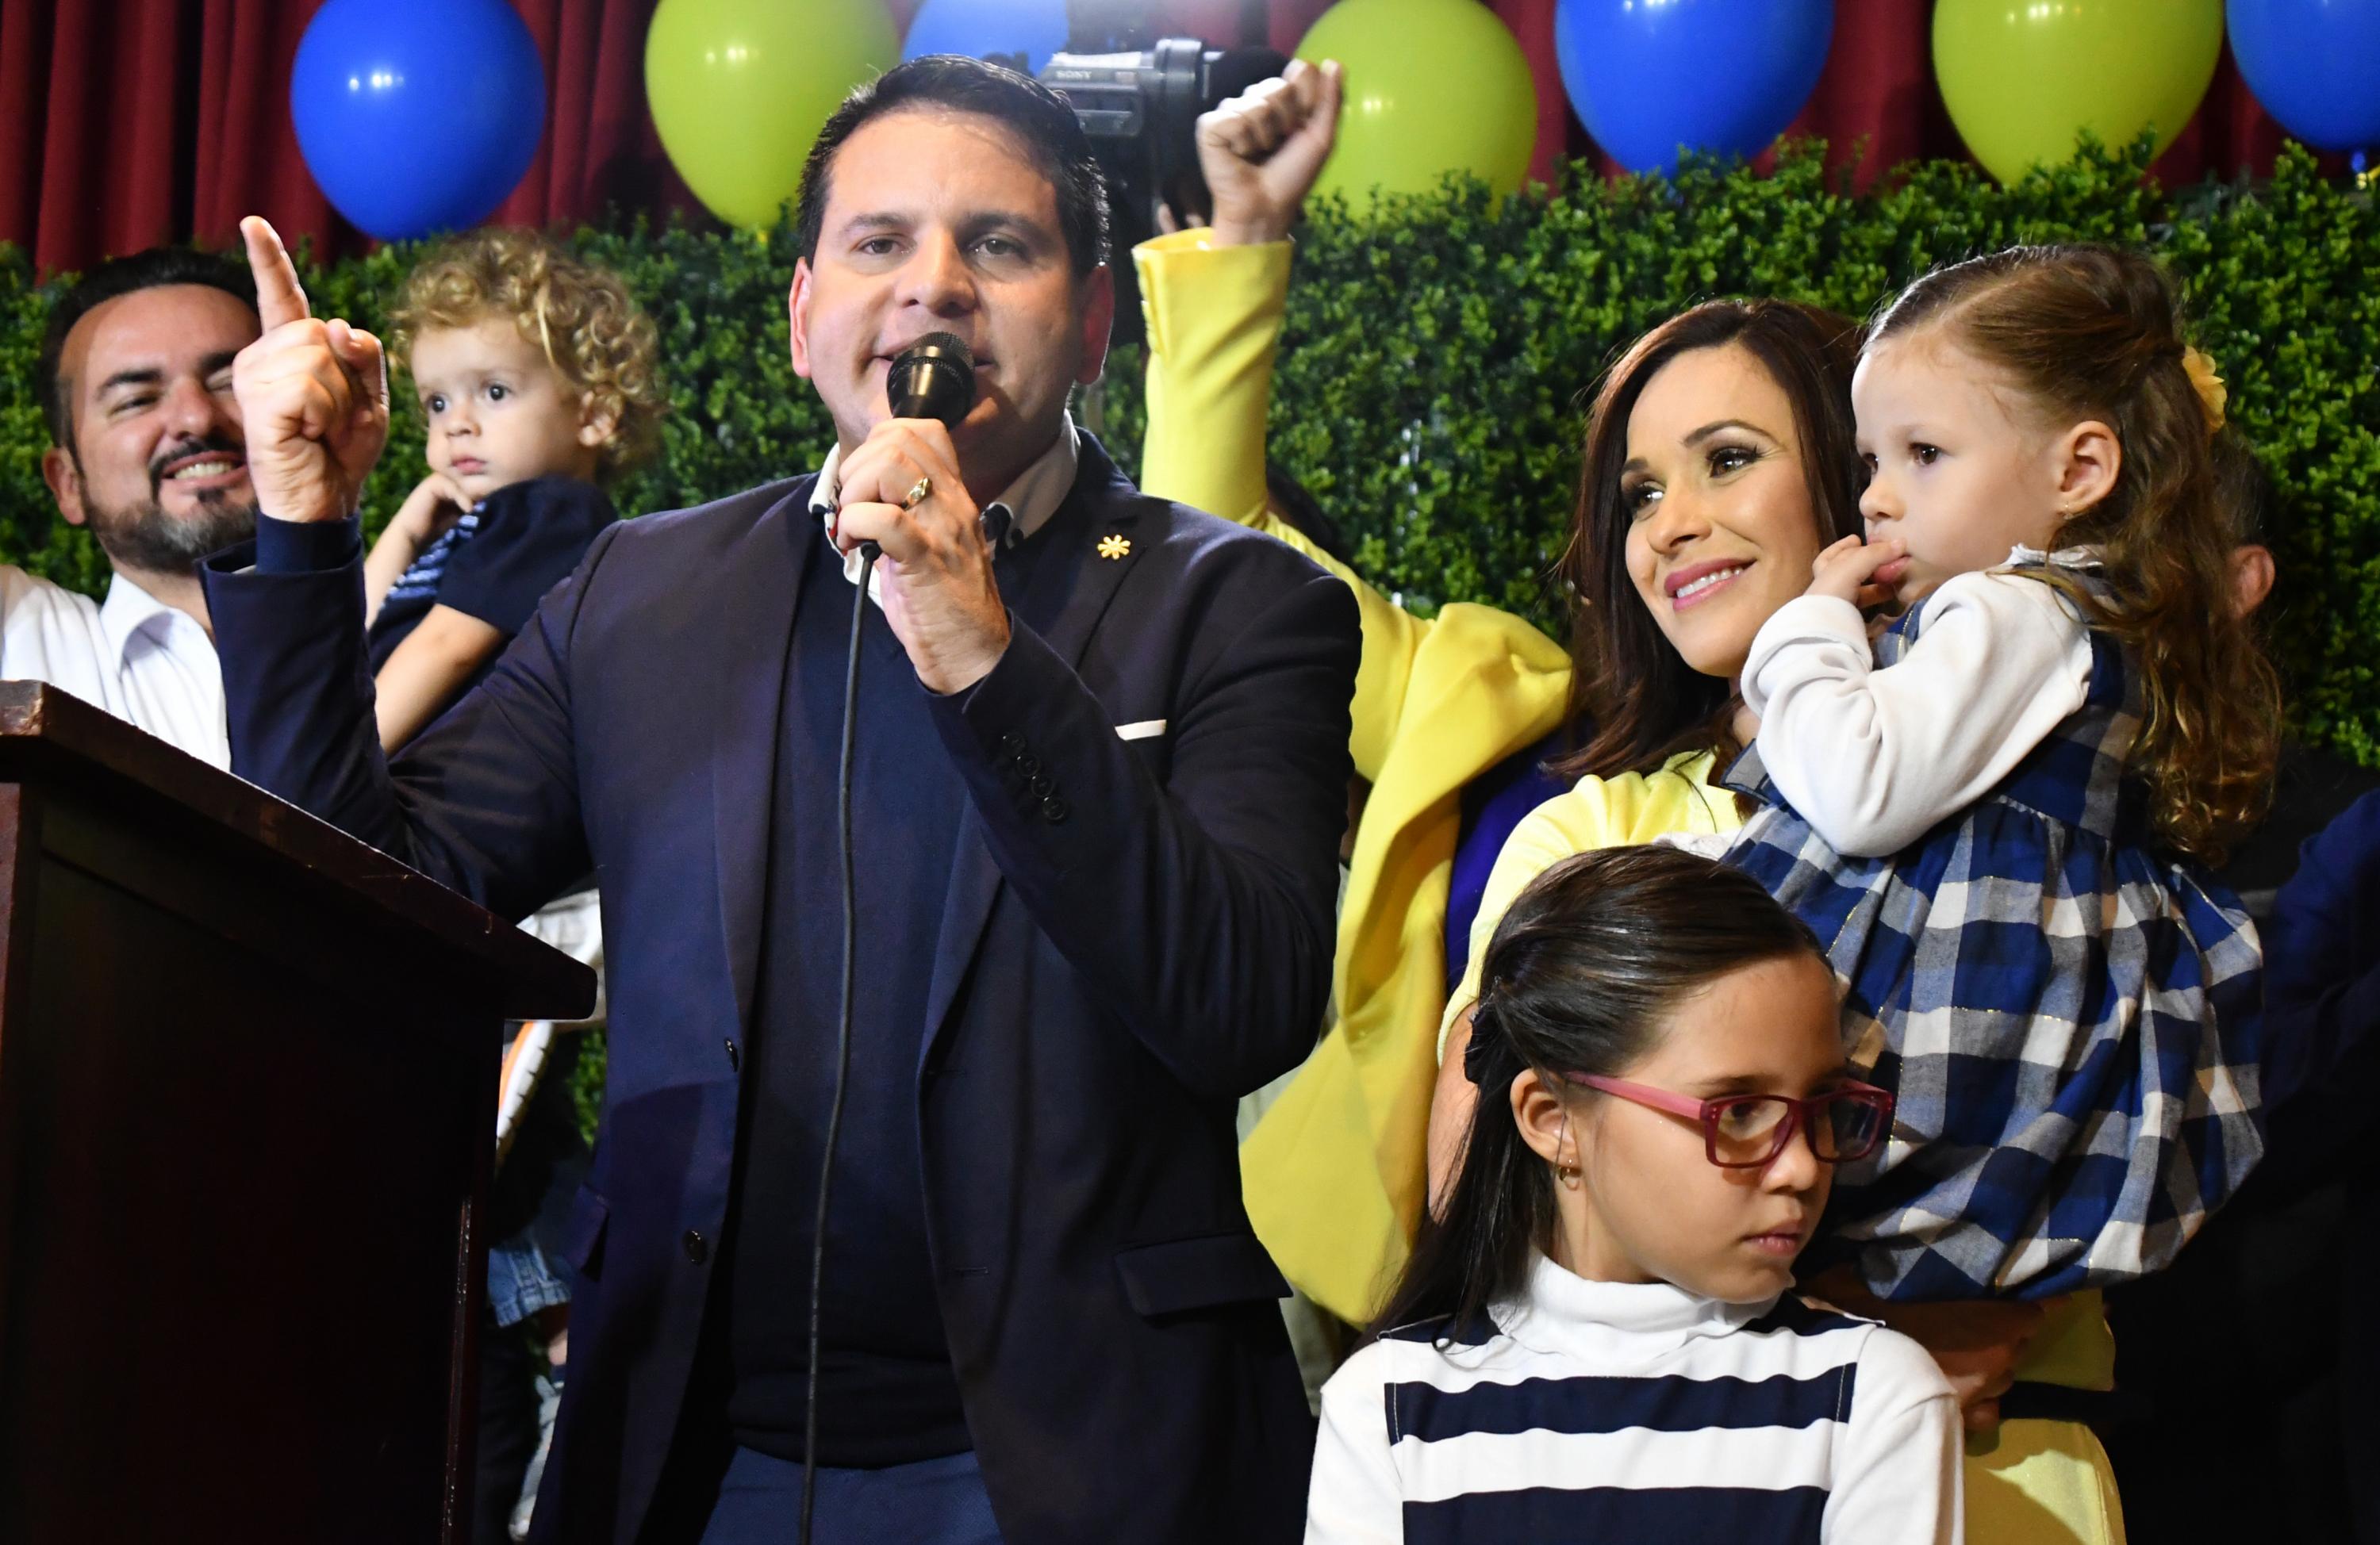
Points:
1999	813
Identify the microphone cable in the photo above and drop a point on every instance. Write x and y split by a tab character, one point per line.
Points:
932	378
868	553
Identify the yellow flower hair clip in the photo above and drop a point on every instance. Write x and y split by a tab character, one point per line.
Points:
2212	394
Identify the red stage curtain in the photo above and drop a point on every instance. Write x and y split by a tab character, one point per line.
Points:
125	123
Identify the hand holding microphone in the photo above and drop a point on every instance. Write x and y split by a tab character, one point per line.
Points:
903	494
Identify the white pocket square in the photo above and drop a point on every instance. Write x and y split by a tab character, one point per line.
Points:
1142	730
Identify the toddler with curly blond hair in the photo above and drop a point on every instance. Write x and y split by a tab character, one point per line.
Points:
535	372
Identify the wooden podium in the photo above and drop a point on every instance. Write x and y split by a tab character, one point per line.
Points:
246	1101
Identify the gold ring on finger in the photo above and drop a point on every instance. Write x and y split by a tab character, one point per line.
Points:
919	491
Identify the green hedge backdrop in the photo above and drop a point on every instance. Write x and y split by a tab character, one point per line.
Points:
1435	355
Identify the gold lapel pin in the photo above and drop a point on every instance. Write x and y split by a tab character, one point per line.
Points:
1113	546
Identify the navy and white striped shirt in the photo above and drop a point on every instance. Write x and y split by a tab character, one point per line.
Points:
1620	1411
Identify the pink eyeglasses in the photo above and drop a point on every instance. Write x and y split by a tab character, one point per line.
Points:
1747	1131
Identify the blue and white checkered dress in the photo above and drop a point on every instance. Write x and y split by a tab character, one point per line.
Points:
2070	1023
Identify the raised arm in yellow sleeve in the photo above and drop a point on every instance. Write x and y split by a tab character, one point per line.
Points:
1214	323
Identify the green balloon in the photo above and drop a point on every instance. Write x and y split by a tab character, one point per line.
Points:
2023	78
740	88
1433	87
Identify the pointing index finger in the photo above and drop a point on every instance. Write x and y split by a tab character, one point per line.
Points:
279	298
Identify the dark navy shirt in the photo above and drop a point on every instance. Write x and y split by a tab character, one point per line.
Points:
887	1394
497	562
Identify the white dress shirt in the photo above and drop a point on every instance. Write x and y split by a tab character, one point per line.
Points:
1873	758
147	663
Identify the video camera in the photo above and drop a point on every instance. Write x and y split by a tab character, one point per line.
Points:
1141	111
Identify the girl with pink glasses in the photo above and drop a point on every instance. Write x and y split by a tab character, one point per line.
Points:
1597	1339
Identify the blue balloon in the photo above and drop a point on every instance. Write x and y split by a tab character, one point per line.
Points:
417	115
2315	65
979	29
1723	77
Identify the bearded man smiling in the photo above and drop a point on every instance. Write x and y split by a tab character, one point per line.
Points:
147	452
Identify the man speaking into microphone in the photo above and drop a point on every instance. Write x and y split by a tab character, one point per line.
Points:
1097	778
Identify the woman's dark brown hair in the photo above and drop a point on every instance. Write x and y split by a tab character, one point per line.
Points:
2087	331
1646	703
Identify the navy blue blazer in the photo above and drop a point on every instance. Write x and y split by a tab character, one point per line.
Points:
1119	959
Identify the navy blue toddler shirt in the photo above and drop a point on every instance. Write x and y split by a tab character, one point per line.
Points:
496	562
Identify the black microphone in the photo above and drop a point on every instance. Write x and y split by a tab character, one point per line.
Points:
933	378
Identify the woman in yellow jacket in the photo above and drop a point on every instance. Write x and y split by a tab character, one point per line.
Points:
1333	1173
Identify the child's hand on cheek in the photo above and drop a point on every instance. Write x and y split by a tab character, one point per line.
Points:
435	504
1848	570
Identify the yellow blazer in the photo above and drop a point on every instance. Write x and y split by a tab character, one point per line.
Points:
1333	1172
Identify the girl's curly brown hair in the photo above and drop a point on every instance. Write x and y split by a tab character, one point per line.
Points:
2090	331
592	329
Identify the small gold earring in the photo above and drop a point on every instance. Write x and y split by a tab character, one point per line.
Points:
1566	1175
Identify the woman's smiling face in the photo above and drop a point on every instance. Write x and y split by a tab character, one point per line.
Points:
1721	529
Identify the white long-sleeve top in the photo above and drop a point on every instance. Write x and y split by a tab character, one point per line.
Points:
144	661
1596	1410
1874	757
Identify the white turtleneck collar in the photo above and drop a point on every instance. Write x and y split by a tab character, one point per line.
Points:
1615	1324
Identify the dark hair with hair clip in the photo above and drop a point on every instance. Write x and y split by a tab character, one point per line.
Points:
1583	970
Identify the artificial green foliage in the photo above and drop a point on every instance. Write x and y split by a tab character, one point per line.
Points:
1436	356
31	533
1438	352
587	1080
